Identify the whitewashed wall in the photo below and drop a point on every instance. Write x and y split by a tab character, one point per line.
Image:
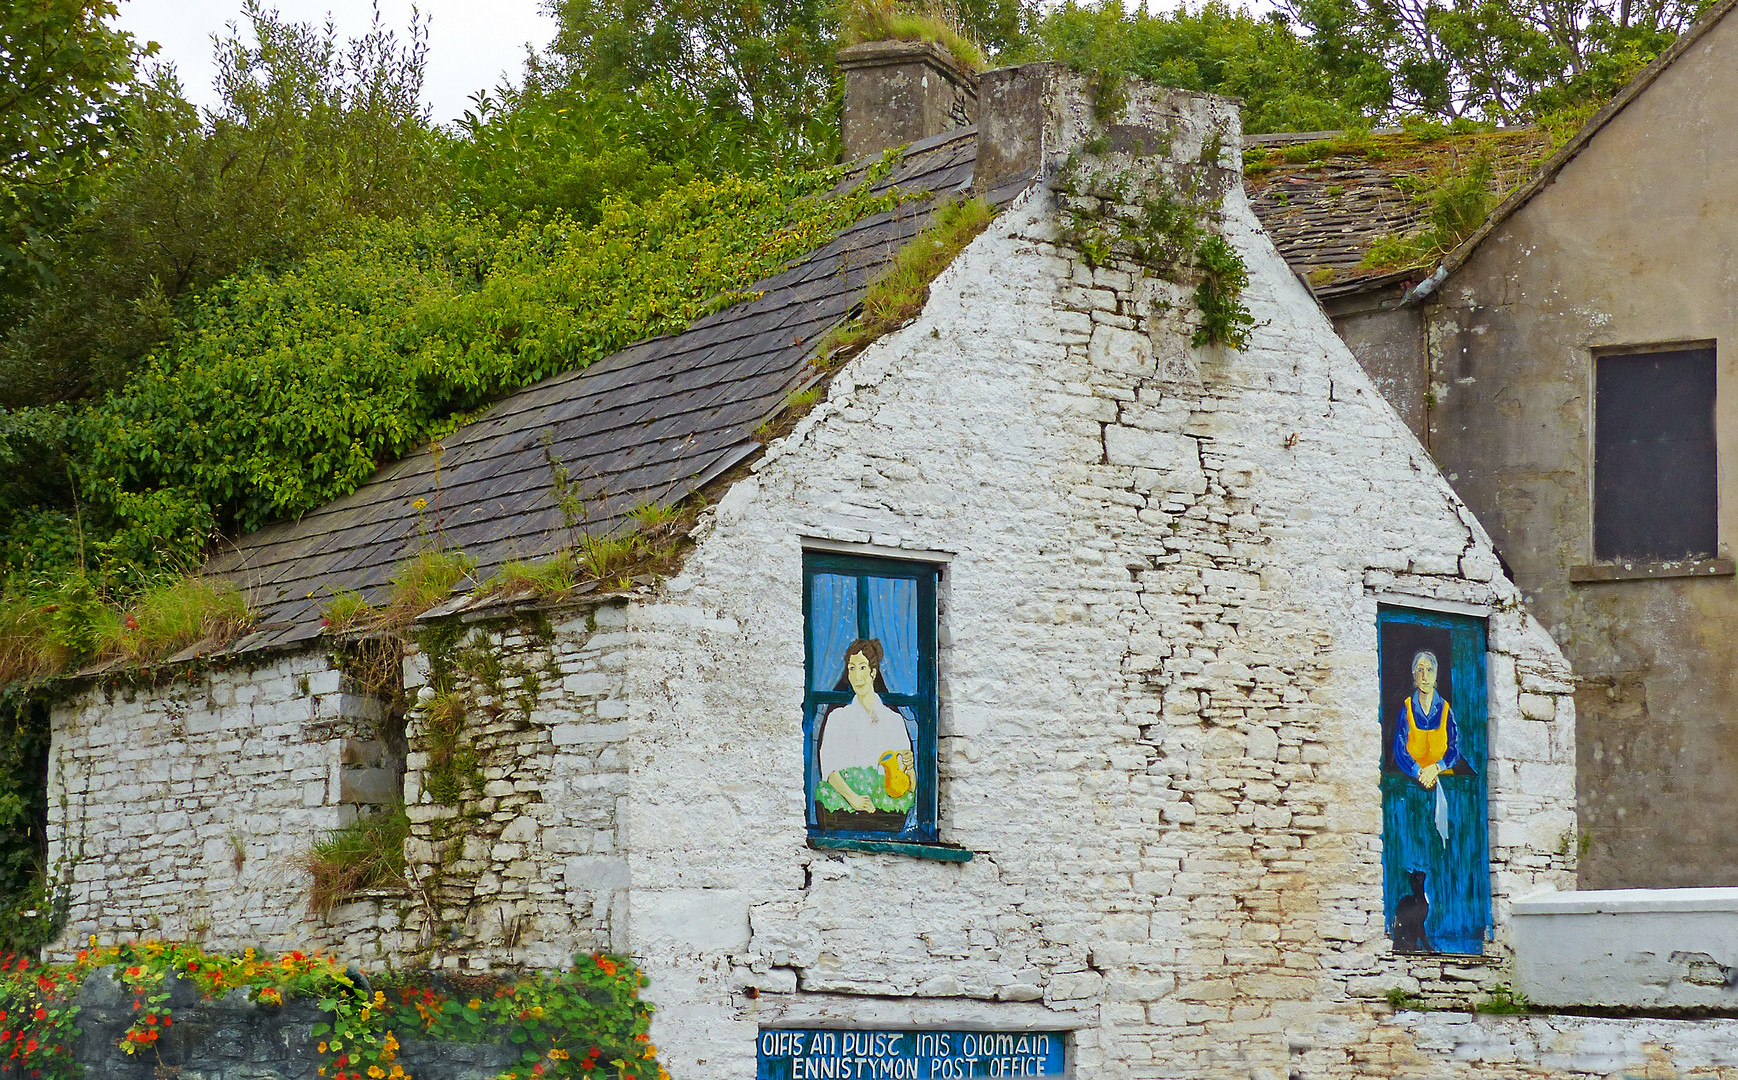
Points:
1159	723
181	811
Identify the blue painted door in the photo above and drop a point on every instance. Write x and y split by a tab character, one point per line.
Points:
1436	887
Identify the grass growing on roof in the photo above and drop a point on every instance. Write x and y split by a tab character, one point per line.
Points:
426	579
50	629
899	293
888	20
1457	199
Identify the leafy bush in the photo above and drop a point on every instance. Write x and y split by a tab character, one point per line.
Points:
309	136
568	1024
285	391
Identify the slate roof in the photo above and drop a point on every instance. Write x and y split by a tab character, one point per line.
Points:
653	422
1324	209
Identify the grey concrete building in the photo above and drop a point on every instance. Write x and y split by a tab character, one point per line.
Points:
1571	367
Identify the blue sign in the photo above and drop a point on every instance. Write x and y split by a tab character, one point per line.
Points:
796	1054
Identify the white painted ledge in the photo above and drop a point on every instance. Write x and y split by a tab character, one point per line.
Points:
1632	948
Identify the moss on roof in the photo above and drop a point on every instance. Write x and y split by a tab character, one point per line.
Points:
1328	198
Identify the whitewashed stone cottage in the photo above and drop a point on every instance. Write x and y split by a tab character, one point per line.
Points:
1123	785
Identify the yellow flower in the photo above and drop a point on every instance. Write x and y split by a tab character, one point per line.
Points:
93	941
537	1011
365	1011
377	1072
474	1003
419	505
397	1072
391	1042
556	1053
322	1048
379	998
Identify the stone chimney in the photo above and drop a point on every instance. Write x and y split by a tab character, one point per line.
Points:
897	92
1032	117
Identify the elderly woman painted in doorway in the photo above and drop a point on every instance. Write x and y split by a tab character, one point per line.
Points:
1426	738
864	733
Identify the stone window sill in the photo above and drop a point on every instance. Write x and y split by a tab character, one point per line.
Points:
1638	571
911	848
1452	959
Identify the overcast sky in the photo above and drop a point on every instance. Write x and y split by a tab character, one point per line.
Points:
472	43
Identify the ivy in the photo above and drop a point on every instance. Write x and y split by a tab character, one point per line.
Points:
1158	215
282	390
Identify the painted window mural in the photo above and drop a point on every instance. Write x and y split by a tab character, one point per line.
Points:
869	706
1436	888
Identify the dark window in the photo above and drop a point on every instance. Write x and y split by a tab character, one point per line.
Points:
1654	473
869	697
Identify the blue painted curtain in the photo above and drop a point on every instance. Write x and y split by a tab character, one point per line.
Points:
1436	890
847	599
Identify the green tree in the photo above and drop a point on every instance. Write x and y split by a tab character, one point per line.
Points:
64	74
1216	49
1511	61
308	135
766	64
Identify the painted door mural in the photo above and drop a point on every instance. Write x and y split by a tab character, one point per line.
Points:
1436	883
869	703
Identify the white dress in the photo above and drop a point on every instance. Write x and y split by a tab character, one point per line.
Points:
854	737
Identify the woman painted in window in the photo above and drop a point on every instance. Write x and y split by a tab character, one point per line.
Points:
866	760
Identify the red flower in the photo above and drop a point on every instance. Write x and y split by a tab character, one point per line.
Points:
30	1046
42	1014
167	1020
133	972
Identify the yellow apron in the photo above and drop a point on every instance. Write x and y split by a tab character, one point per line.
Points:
1426	747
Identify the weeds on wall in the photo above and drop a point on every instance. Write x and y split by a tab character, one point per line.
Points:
1159	216
366	854
588	1021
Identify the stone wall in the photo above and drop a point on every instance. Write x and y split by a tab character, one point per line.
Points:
1158	684
528	867
181	810
232	1038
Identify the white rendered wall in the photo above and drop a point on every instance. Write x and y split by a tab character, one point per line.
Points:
1632	948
